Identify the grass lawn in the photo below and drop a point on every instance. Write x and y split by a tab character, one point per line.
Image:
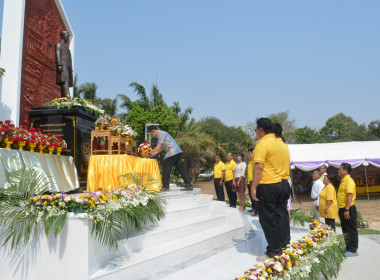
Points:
368	231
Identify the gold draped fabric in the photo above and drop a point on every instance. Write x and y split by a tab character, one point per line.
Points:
104	171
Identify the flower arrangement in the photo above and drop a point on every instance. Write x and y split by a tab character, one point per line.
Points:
319	250
144	148
98	205
68	103
24	203
23	137
128	131
103	120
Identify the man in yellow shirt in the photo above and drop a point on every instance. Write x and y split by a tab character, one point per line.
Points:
267	187
249	181
219	171
284	172
229	177
347	209
323	170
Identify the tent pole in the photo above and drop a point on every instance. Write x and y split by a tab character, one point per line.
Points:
366	180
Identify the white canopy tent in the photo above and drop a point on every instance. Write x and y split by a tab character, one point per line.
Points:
308	157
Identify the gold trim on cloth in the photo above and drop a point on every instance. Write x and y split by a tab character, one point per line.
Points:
104	171
60	171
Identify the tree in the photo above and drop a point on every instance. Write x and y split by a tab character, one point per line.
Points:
307	135
374	129
339	128
163	115
227	138
76	92
288	125
109	106
88	91
198	149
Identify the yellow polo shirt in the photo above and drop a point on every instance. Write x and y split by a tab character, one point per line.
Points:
250	171
347	185
218	170
285	156
328	193
268	151
229	170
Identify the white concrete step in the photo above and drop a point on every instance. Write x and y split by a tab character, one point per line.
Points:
186	212
146	261
166	232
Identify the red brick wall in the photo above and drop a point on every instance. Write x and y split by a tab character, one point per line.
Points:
42	27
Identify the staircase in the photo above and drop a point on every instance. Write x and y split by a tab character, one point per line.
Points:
195	227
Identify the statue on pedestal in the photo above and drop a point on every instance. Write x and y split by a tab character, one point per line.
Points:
64	64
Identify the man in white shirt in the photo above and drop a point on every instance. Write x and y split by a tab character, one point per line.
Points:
315	190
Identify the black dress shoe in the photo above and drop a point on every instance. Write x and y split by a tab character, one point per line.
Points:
165	189
187	189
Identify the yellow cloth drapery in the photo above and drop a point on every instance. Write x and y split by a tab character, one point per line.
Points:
104	171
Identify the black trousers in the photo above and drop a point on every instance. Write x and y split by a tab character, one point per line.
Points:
253	202
330	222
350	228
270	214
219	189
285	220
168	165
232	196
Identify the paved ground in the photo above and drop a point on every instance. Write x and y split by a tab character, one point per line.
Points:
364	266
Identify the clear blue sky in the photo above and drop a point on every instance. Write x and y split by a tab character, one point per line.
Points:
236	60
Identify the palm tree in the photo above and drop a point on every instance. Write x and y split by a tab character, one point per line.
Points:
126	102
76	92
109	106
198	149
141	93
88	92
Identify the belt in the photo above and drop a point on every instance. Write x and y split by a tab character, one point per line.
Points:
314	199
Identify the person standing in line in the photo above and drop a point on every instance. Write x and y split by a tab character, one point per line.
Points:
318	185
323	170
239	180
286	189
173	157
229	178
328	205
347	210
219	172
249	182
267	186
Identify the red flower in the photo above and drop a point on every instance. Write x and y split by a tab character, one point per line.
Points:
7	121
50	134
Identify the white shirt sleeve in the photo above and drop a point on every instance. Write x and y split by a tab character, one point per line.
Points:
314	190
244	167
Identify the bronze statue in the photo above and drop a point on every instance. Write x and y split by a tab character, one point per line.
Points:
64	64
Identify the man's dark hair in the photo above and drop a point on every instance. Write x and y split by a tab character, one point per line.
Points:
318	172
265	124
152	127
335	181
250	150
218	155
277	130
346	166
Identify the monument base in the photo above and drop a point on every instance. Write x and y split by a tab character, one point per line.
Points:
74	126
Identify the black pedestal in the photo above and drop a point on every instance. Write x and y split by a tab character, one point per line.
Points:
74	126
